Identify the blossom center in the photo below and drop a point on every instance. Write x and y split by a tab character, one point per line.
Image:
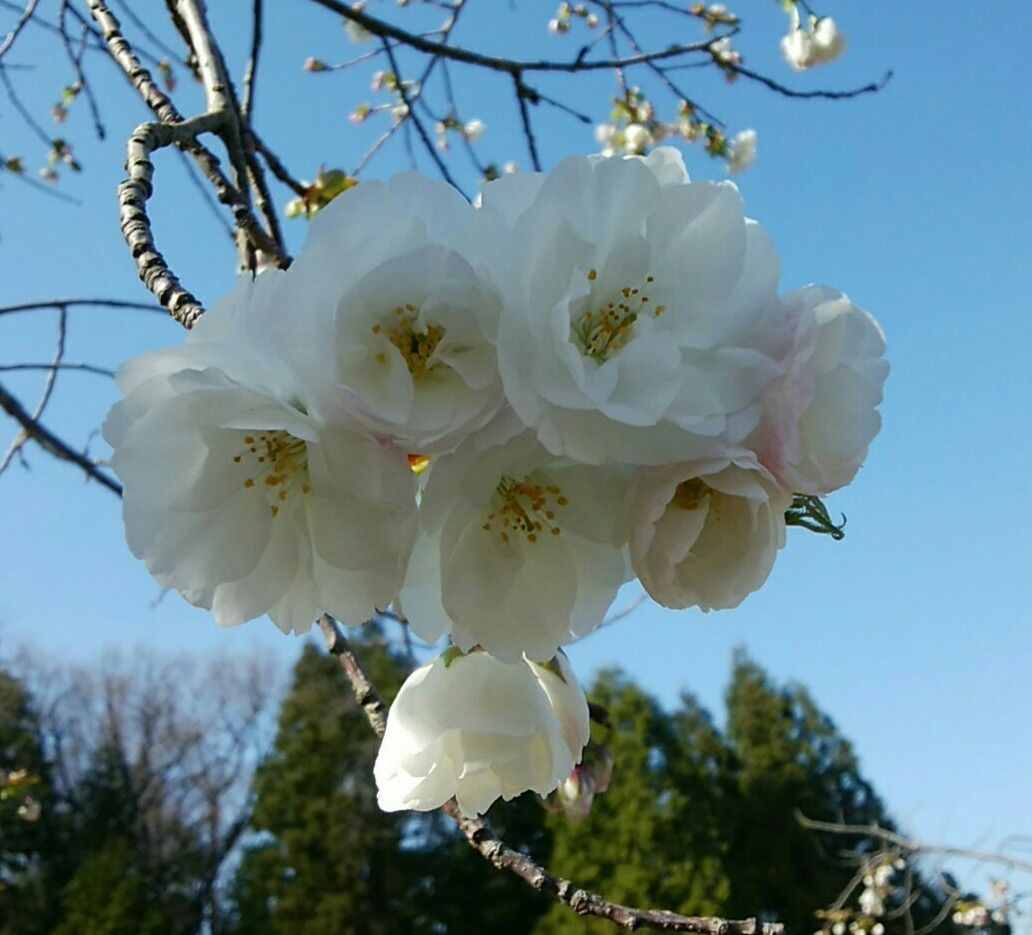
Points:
415	339
601	330
277	463
690	493
525	508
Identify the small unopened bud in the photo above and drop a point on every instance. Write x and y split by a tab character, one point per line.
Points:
314	64
473	130
577	793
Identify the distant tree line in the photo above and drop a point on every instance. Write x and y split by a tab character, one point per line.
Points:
171	799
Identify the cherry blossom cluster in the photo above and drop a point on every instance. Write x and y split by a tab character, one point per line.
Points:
490	417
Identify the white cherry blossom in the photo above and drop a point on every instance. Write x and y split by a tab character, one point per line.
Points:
821	416
743	151
479	729
390	317
820	43
629	294
518	551
705	533
243	502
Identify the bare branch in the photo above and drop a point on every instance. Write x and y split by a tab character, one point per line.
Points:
50	442
73	303
251	74
509	66
20	24
873	88
48	389
909	845
85	368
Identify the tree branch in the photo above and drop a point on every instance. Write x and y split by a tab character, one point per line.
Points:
49	442
509	66
72	303
911	846
502	857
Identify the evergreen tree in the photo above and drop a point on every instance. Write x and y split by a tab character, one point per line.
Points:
654	837
325	860
789	758
24	845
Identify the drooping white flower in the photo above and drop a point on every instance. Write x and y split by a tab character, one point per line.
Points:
518	551
629	297
239	498
820	418
479	729
384	293
706	533
822	42
743	151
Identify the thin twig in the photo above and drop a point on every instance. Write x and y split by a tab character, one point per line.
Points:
20	24
50	442
410	116
73	303
251	73
913	846
873	88
48	389
85	368
509	66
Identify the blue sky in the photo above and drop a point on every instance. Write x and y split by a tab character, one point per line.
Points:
914	631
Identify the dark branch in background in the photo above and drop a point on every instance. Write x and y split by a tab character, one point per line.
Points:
503	857
906	845
49	442
22	22
508	66
522	95
48	389
873	88
74	303
85	368
410	115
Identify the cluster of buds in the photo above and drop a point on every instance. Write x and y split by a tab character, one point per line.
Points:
634	129
13	785
973	913
725	57
328	185
69	93
382	81
60	154
591	777
565	13
866	918
470	131
714	15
